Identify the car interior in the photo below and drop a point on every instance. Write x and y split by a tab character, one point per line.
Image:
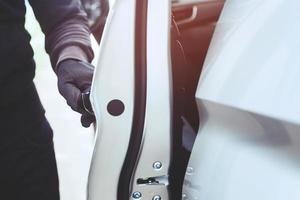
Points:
193	25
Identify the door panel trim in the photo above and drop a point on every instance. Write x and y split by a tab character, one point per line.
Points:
113	79
139	100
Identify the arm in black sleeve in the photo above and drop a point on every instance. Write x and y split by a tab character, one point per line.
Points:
65	25
68	43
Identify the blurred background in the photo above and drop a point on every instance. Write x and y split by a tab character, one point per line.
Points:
73	143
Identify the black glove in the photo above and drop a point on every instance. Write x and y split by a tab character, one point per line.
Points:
74	78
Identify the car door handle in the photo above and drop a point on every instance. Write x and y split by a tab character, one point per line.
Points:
86	102
185	15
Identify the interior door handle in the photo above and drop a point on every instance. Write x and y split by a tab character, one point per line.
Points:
189	18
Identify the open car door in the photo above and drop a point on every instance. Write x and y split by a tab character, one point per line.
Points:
247	145
248	142
132	102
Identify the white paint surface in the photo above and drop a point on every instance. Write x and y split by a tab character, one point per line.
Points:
248	144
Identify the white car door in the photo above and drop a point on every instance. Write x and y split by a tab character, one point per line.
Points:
132	102
248	143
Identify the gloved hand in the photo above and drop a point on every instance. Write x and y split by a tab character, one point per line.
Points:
75	78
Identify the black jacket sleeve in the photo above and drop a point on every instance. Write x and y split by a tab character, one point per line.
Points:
64	24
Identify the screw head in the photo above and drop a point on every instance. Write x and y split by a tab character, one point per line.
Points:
156	197
189	171
157	165
136	195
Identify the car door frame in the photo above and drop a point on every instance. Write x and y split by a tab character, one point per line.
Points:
132	108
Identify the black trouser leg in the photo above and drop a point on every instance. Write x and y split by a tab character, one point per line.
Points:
28	166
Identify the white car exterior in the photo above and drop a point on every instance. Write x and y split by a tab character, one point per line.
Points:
248	145
118	77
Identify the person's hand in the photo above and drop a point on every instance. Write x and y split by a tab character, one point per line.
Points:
74	78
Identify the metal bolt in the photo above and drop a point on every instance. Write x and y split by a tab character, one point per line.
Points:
157	197
189	171
184	197
136	195
157	165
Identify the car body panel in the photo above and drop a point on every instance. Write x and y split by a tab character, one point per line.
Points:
156	145
113	79
254	57
117	77
248	141
243	155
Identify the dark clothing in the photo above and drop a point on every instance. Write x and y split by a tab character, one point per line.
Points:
28	168
23	114
63	23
